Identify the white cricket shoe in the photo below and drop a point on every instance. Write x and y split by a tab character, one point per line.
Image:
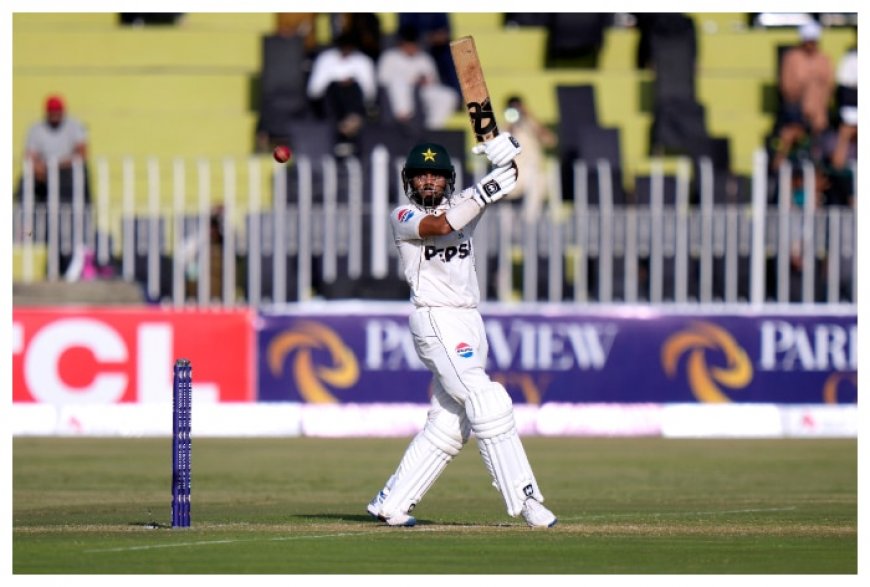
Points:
400	520
374	510
374	507
536	515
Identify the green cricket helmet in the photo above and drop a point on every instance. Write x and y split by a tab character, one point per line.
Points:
428	158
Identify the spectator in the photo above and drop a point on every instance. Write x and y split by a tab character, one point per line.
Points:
404	70
847	92
800	194
344	86
56	136
365	26
435	34
298	24
806	83
532	182
192	253
840	144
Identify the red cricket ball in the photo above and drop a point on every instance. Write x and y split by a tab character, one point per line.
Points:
282	153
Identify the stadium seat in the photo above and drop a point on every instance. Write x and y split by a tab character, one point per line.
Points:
643	190
282	86
596	144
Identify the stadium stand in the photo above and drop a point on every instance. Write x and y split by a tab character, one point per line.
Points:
190	90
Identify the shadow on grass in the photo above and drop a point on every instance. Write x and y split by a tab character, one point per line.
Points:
363	518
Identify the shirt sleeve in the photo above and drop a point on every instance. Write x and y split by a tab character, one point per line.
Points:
30	143
80	133
368	79
319	75
405	221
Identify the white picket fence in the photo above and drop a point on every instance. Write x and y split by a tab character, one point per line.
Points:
330	218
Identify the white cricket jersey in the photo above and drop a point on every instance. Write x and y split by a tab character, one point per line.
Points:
439	269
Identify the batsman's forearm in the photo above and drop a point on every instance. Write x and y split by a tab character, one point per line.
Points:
463	213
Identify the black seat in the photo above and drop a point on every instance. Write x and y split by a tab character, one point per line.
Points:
596	144
577	111
728	188
678	118
528	19
312	139
282	85
643	190
576	35
398	140
678	127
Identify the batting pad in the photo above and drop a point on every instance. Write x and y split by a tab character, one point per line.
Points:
491	413
424	461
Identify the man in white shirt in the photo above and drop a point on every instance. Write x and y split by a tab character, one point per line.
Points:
405	69
343	78
56	137
433	233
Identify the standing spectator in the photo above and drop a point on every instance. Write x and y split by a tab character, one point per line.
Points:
436	34
57	136
806	83
535	139
343	82
61	138
404	70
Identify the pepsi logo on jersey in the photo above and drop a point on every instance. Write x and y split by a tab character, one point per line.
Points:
447	253
464	350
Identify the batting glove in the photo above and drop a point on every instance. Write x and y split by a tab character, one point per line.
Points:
495	185
501	150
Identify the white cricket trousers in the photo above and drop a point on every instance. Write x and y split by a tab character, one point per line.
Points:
452	343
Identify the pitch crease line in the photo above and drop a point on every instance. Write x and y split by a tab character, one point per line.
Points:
210	542
660	514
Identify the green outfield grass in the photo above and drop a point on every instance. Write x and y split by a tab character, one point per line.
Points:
297	506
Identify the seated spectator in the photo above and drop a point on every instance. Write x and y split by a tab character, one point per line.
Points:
806	83
365	26
847	92
435	37
840	144
57	136
405	69
344	86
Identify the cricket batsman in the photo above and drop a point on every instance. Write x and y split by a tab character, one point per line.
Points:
433	233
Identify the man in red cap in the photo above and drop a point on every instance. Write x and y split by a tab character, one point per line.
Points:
57	136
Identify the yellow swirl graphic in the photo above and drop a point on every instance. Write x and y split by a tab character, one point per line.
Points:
832	384
703	379
310	378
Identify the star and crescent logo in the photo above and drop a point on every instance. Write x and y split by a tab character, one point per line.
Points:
429	155
706	380
314	380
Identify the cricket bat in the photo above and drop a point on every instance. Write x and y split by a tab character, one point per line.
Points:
473	86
